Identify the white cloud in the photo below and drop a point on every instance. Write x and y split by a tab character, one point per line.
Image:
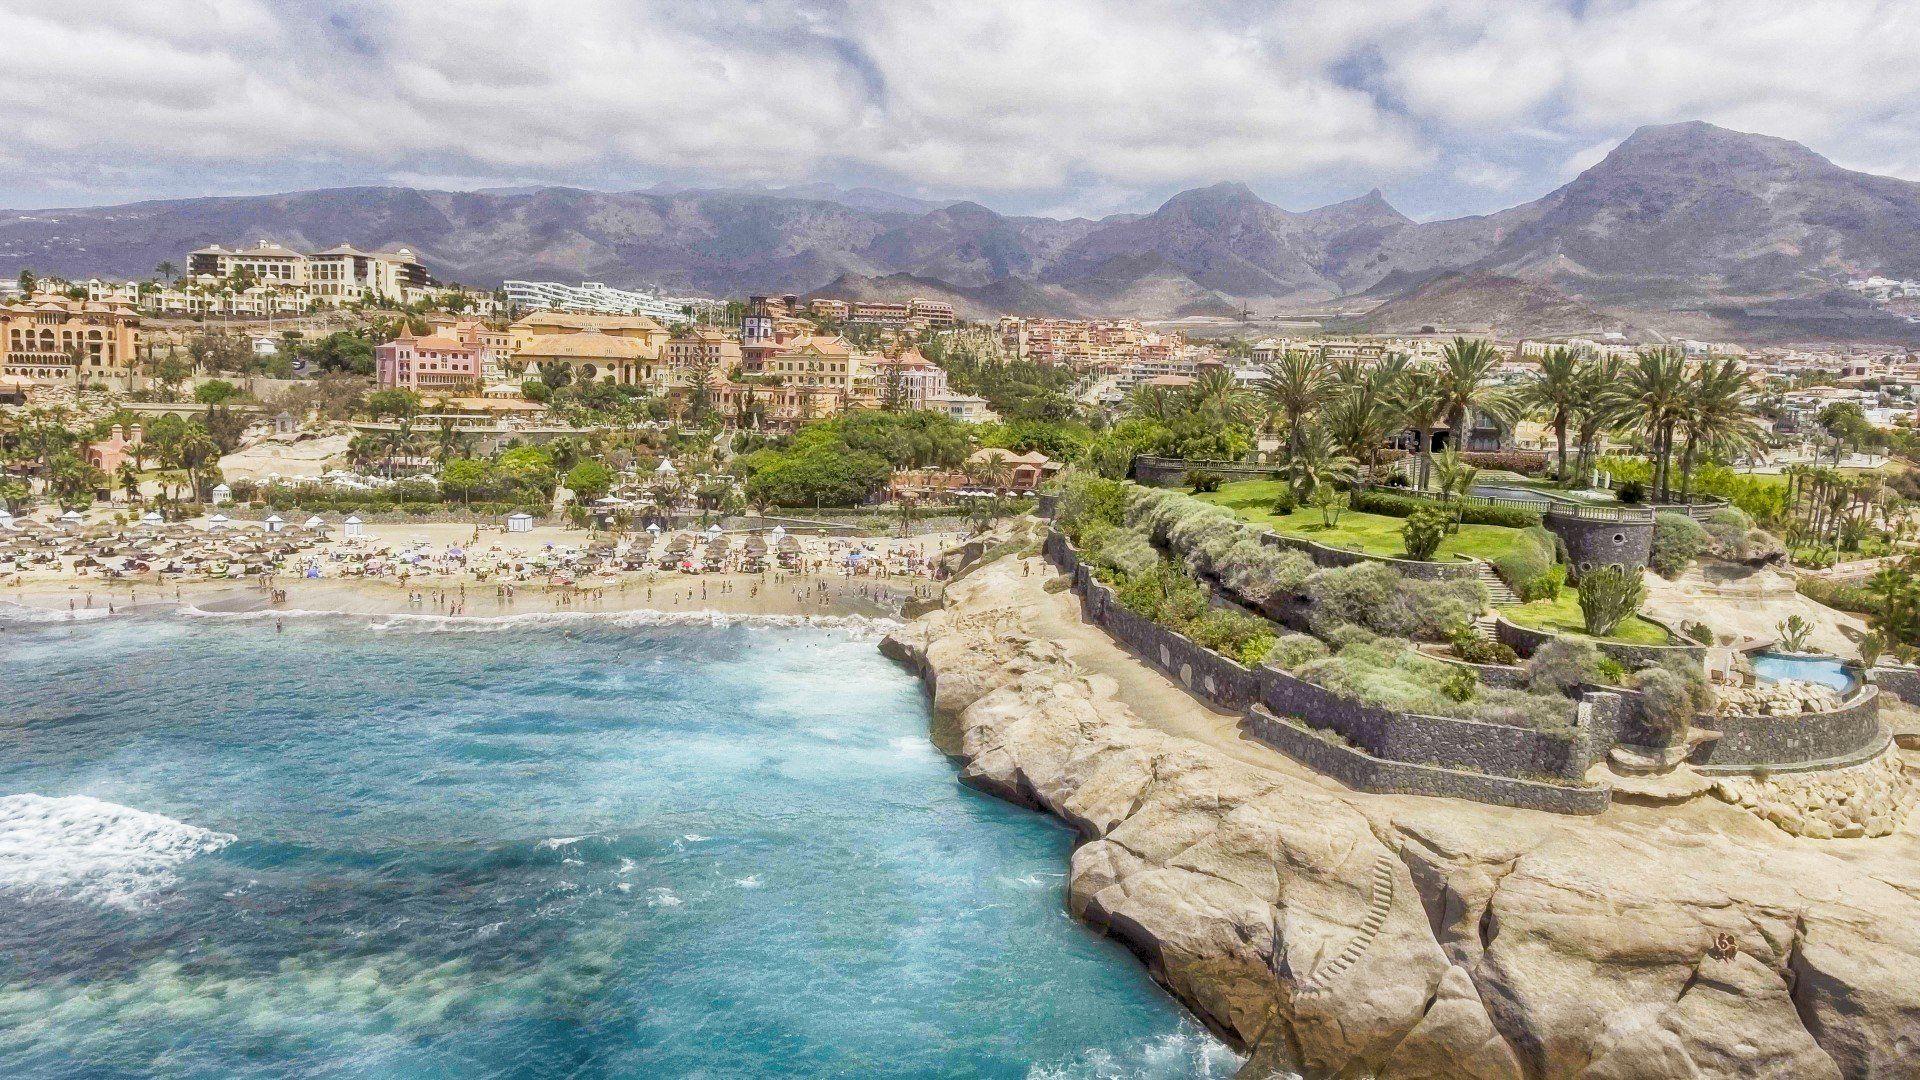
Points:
1061	103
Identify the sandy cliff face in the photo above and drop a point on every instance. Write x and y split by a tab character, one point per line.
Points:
1341	934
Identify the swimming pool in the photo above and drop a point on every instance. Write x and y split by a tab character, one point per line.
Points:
1825	670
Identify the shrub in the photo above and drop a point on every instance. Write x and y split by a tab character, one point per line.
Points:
1671	692
1056	584
1088	500
1475	649
1291	651
1423	532
1561	665
1608	594
1839	596
1697	632
1371	595
1631	492
1508	517
1254	650
1284	503
1388	504
1529	568
1677	541
1460	685
1735	538
1201	481
1257	571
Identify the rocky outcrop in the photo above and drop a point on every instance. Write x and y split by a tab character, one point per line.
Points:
1332	933
1873	799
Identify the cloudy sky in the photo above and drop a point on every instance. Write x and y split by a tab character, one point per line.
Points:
1034	106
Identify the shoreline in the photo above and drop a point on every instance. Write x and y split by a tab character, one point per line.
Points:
1328	931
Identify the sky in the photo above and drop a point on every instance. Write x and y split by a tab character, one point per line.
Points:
1053	107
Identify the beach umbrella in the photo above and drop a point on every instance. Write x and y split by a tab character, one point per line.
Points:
778	532
313	522
653	529
713	531
152	519
71	516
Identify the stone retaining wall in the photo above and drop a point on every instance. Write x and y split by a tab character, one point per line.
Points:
1407	753
1172	472
1332	557
1850	733
1364	772
1525	639
1899	680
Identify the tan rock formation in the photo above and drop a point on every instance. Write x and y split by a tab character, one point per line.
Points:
1335	933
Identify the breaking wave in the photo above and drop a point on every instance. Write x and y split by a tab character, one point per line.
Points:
21	613
79	846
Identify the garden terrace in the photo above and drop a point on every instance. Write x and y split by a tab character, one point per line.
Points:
1562	616
1373	534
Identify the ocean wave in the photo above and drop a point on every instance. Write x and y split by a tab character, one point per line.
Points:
21	613
79	846
1187	1054
254	614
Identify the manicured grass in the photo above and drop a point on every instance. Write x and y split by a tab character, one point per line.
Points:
1563	615
1375	534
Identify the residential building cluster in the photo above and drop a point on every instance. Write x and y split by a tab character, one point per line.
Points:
598	298
50	339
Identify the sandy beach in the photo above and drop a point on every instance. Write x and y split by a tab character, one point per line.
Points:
824	585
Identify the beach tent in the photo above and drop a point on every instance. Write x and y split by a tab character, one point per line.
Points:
216	523
275	523
354	526
713	532
665	468
152	519
6	519
71	517
653	529
519	523
222	494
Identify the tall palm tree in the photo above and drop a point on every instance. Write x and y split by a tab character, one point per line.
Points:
1596	409
1554	392
1424	408
1652	391
1316	460
1467	386
1365	411
1151	402
1216	395
1294	386
1715	416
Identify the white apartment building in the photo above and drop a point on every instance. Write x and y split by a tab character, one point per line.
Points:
595	298
336	276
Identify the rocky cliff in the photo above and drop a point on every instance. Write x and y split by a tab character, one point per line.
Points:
1332	933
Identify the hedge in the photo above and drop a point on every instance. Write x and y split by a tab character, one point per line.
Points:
1370	501
1839	596
1529	567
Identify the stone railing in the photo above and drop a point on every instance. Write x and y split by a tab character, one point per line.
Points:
1383	750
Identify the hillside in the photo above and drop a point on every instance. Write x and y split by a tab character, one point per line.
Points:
1684	227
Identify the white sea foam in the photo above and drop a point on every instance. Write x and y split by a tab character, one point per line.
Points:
1186	1054
21	613
558	842
694	838
83	847
663	897
751	881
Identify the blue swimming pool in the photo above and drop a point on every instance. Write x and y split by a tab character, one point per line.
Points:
1825	670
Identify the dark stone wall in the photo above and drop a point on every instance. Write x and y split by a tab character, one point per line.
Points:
1851	731
1593	543
1331	557
1525	640
1358	770
1396	752
1899	680
1172	472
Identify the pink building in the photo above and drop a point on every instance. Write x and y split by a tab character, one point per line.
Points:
109	453
435	364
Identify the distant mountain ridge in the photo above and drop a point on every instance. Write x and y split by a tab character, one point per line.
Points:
1679	225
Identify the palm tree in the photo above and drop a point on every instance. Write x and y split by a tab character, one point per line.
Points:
1365	410
1425	409
1151	402
1466	386
1316	459
1216	395
1652	392
1294	386
1553	393
1715	416
1596	409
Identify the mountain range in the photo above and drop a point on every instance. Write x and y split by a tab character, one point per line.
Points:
1681	229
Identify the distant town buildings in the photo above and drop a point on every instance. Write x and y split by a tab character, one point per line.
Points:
51	339
339	275
629	350
593	297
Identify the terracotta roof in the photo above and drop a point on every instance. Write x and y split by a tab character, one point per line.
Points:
589	322
585	345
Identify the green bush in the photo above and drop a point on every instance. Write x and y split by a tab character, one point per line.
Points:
1460	685
1201	481
1373	501
1475	649
1090	500
1671	693
1530	568
1291	651
1561	665
1284	503
1677	541
1373	596
1392	675
1608	595
1424	531
1631	492
1841	596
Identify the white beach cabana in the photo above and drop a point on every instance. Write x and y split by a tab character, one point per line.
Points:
314	522
222	495
217	523
6	520
275	523
152	519
354	526
519	523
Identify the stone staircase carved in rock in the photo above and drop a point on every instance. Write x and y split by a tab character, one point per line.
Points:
1379	905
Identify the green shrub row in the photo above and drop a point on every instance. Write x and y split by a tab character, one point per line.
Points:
1532	569
1372	501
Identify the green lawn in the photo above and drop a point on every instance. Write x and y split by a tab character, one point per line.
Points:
1375	534
1563	615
